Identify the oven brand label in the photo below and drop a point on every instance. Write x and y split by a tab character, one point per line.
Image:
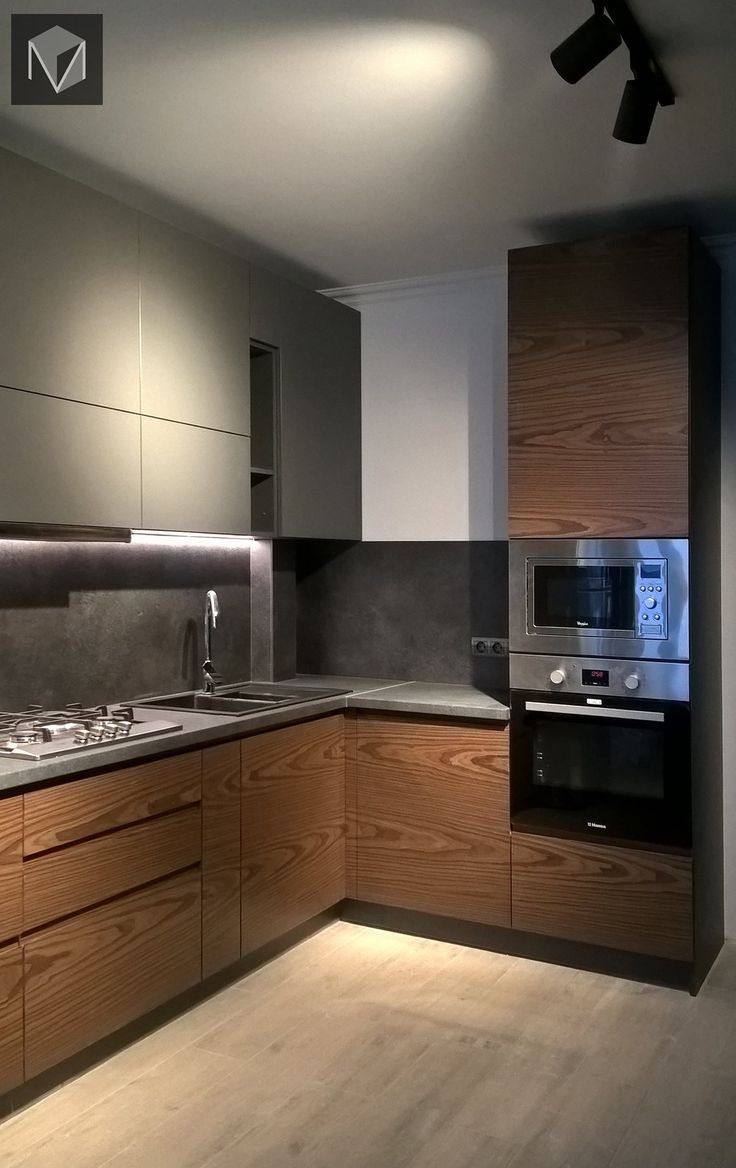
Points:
600	826
582	624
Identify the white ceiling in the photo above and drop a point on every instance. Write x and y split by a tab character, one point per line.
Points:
350	141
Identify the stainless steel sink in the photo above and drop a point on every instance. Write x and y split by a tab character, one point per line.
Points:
234	701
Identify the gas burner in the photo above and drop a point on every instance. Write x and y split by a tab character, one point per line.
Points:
36	733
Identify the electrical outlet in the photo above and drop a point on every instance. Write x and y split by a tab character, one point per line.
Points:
490	646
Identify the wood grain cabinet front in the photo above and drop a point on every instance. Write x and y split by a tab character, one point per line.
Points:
93	973
220	857
622	898
11	1017
293	827
599	382
432	817
11	874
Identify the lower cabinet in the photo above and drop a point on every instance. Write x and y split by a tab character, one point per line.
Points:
220	857
11	1017
93	973
11	877
293	827
618	897
432	817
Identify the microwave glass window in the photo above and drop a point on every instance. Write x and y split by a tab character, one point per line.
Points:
576	758
592	596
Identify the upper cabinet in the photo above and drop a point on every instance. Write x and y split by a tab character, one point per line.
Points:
319	416
68	288
603	341
195	351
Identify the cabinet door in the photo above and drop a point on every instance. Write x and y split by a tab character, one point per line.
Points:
89	975
293	827
194	331
320	427
618	897
64	462
11	858
220	857
432	818
195	479
598	387
68	288
11	1017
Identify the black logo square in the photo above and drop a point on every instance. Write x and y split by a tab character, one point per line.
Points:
56	59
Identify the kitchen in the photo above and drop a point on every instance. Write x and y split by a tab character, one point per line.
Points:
431	530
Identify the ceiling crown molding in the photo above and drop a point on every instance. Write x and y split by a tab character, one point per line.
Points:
418	285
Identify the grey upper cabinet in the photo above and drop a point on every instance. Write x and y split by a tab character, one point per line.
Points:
69	463
68	288
194	330
320	419
195	479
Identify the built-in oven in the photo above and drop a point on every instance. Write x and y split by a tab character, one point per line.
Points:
595	761
602	597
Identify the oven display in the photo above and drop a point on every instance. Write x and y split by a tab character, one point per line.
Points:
595	677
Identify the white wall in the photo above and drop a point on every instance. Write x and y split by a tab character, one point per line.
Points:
434	456
434	407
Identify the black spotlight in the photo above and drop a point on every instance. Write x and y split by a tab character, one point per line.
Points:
636	112
586	47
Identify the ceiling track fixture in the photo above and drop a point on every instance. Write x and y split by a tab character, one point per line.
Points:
612	24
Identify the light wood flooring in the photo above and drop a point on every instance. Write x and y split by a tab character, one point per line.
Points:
366	1049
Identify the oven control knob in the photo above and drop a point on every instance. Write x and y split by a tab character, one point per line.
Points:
557	676
632	681
650	602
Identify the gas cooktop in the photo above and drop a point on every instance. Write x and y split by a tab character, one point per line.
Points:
36	734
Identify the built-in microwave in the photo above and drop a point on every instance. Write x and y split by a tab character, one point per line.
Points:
602	597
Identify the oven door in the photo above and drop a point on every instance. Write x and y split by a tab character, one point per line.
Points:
615	770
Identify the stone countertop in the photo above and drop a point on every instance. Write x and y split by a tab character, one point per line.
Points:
459	701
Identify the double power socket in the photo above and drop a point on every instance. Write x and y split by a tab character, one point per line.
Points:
490	646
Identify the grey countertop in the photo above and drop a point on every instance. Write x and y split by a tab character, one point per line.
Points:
367	693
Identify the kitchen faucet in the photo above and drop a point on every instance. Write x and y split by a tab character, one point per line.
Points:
211	613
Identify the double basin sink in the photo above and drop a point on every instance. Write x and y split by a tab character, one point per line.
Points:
234	701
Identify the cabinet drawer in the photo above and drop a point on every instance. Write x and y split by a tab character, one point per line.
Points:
92	974
11	834
73	878
11	1017
220	857
432	818
617	897
86	807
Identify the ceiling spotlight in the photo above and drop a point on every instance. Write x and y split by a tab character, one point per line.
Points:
612	23
636	112
586	47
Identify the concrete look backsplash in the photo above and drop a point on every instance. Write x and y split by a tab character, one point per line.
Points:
403	610
107	622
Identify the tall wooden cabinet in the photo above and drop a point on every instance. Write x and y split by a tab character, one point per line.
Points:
602	349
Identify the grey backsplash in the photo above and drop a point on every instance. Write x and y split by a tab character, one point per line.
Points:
106	622
402	610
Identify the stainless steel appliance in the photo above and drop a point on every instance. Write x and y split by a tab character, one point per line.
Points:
35	733
600	597
590	759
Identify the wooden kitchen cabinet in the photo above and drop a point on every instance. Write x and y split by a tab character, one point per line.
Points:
600	369
220	857
65	462
194	479
623	898
69	290
11	1017
87	976
319	428
432	817
293	827
11	857
195	348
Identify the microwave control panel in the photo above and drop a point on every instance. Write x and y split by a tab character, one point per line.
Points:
650	599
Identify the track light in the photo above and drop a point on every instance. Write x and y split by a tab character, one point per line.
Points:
586	47
636	112
611	24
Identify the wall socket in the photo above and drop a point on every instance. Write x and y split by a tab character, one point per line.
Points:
490	646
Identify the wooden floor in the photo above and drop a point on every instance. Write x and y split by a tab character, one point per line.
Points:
362	1048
